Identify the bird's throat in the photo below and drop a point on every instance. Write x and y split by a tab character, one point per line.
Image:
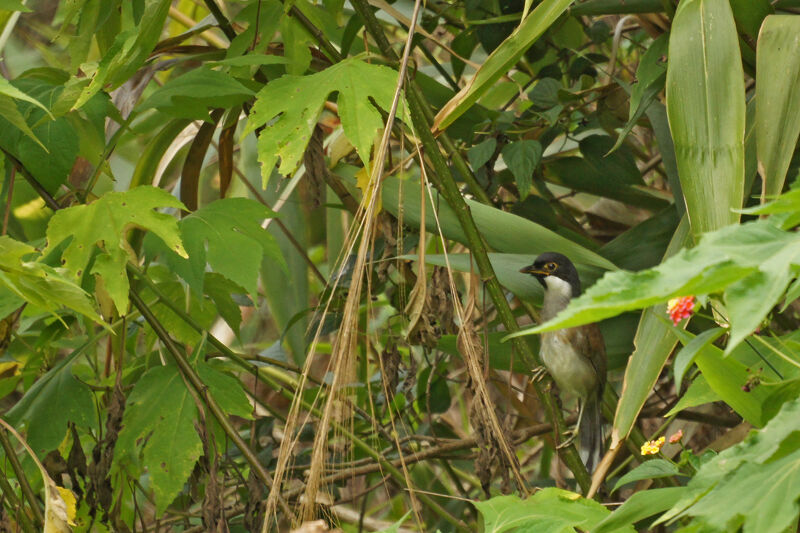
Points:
556	297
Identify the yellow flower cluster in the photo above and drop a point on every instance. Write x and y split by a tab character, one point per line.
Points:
652	447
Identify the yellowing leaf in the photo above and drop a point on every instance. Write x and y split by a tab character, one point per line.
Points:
363	180
289	108
105	223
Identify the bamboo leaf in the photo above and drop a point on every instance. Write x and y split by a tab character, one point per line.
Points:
500	60
706	108
777	98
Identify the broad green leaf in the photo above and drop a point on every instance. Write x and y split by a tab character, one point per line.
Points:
161	413
54	400
522	158
685	357
225	389
549	510
706	107
777	98
51	165
220	289
720	260
481	153
289	108
199	308
519	235
501	60
105	223
726	376
652	469
228	235
9	111
749	14
639	506
761	475
39	284
698	393
192	94
9	90
653	344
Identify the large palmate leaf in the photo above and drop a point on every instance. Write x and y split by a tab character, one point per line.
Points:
549	510
161	412
769	460
290	106
777	98
105	223
706	107
38	284
751	264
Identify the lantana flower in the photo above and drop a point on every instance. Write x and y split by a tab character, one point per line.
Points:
652	447
680	308
676	437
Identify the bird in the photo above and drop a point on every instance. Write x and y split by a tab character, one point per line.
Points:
574	357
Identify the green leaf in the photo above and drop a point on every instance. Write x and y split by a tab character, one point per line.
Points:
55	400
652	469
10	112
639	506
228	235
295	102
199	308
192	94
225	389
617	7
522	158
9	90
549	510
39	284
481	153
651	68
706	107
726	377
161	412
777	97
698	393
761	475
685	357
501	60
220	289
105	223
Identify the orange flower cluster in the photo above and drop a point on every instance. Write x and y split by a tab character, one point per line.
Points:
680	308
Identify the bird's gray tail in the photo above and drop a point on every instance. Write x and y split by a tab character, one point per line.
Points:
591	434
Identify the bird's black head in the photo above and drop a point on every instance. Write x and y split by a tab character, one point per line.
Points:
554	264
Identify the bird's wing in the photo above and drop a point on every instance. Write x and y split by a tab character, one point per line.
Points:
589	341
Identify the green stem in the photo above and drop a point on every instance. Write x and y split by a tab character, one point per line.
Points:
442	178
27	491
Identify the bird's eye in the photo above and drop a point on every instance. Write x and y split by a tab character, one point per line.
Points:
551	266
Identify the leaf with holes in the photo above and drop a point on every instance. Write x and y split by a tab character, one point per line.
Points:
161	412
288	109
105	223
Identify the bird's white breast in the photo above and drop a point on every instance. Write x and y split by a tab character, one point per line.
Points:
572	372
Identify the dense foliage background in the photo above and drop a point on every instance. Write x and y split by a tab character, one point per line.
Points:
259	263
